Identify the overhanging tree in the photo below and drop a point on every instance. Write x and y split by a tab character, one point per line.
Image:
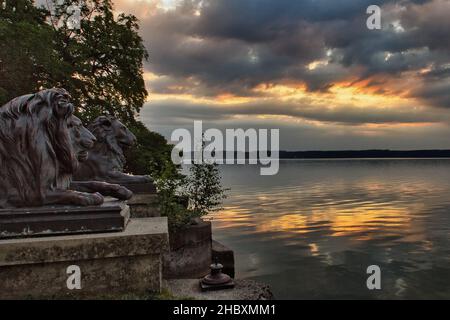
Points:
105	56
100	63
28	59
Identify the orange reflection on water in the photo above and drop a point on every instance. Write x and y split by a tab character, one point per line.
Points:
364	222
231	217
358	220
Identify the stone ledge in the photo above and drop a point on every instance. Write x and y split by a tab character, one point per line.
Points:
141	237
144	198
144	206
58	220
111	264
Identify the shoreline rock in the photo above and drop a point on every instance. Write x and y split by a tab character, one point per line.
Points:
244	290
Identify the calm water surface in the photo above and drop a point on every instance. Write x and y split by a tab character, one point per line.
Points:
312	230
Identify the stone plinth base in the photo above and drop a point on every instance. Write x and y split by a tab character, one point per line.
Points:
56	220
144	205
190	253
111	264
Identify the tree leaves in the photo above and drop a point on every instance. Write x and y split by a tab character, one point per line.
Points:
28	59
106	56
101	64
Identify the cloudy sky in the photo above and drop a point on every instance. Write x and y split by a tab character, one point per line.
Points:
308	67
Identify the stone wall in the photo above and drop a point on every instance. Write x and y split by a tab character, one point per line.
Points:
190	252
111	264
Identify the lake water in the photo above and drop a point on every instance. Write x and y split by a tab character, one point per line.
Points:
312	230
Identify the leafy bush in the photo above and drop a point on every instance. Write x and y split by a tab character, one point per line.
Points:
204	189
150	154
183	198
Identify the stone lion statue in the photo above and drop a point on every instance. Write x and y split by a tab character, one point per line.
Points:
82	141
106	160
41	145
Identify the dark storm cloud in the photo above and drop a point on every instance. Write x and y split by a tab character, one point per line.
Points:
436	92
268	20
431	27
430	24
234	45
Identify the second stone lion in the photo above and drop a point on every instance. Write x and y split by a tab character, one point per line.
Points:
106	159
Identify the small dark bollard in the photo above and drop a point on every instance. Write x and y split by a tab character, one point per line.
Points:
216	280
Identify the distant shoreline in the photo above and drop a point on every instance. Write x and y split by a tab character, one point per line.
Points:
365	154
345	154
349	154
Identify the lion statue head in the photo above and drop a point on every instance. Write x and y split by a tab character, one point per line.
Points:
37	151
112	138
82	140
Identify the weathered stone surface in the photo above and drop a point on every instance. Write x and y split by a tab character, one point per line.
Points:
190	253
101	279
225	256
127	262
140	188
111	216
243	290
144	206
191	235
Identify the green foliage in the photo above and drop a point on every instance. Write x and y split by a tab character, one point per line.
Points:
106	56
181	198
204	188
170	184
150	154
101	64
28	57
184	198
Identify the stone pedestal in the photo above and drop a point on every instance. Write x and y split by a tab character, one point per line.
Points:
111	264
111	216
190	252
144	205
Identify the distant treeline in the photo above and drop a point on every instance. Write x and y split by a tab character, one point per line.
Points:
364	154
347	154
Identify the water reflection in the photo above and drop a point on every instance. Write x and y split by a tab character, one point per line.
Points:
312	230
